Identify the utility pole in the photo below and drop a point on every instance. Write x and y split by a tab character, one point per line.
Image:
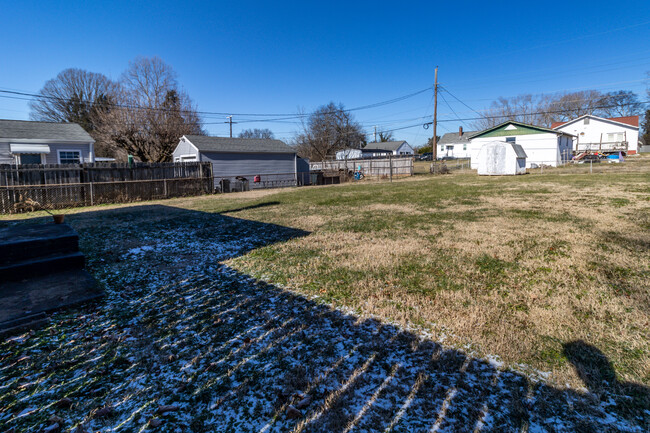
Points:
230	121
375	133
434	142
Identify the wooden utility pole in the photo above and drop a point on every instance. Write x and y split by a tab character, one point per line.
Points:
434	142
230	121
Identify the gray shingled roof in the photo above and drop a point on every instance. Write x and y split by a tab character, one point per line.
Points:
454	138
385	145
238	145
28	130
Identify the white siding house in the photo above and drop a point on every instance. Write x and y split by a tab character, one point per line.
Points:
27	142
605	135
397	148
543	146
455	144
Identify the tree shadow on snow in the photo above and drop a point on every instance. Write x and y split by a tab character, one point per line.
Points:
180	329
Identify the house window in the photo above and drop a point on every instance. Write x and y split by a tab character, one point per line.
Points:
69	157
464	146
615	137
30	158
586	121
511	139
442	147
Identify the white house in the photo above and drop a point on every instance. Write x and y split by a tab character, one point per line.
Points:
498	158
543	146
604	135
397	148
27	142
455	144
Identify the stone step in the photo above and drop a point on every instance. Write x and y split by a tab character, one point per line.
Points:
30	268
22	300
22	242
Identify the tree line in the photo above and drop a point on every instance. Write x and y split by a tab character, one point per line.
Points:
145	112
544	110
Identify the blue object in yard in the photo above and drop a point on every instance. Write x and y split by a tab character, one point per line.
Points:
612	157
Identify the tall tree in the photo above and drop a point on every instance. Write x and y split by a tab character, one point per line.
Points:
621	103
385	136
74	95
546	109
256	133
429	146
328	129
152	112
77	96
645	127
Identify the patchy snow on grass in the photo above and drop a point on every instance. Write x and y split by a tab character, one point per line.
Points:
183	343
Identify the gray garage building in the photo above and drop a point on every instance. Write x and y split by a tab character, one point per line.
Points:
263	163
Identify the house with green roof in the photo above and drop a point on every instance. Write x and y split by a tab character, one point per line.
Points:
543	146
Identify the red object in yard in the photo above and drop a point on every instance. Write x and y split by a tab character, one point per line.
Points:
257	179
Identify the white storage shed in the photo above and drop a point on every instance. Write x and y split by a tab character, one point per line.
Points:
499	158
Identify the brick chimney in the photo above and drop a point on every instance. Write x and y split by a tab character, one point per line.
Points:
460	131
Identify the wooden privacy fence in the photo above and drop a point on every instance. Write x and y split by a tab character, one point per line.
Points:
55	186
372	168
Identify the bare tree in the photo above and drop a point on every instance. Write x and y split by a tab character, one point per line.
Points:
645	126
256	133
521	108
152	112
385	136
74	95
546	109
621	103
328	129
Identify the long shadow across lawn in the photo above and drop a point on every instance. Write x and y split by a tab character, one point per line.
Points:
184	342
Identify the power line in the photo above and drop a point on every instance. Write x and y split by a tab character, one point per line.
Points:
31	96
442	95
509	116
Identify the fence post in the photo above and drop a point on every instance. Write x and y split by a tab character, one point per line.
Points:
390	163
92	200
165	187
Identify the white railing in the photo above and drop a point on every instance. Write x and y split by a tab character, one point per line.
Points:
606	146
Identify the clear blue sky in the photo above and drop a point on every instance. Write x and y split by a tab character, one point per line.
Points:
274	57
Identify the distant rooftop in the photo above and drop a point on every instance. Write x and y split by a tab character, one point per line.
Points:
628	120
29	130
238	145
456	137
384	145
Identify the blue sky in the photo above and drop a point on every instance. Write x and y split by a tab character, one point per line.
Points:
277	57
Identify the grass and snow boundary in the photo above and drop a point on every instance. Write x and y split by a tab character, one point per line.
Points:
184	343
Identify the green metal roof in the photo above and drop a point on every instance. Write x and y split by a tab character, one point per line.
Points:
520	129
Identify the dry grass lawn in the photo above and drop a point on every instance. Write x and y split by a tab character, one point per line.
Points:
516	267
512	266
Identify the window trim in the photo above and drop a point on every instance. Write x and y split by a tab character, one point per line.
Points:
19	159
58	156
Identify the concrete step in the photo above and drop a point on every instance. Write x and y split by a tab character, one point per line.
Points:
43	265
22	242
25	302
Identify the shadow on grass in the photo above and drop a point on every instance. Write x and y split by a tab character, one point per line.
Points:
182	330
